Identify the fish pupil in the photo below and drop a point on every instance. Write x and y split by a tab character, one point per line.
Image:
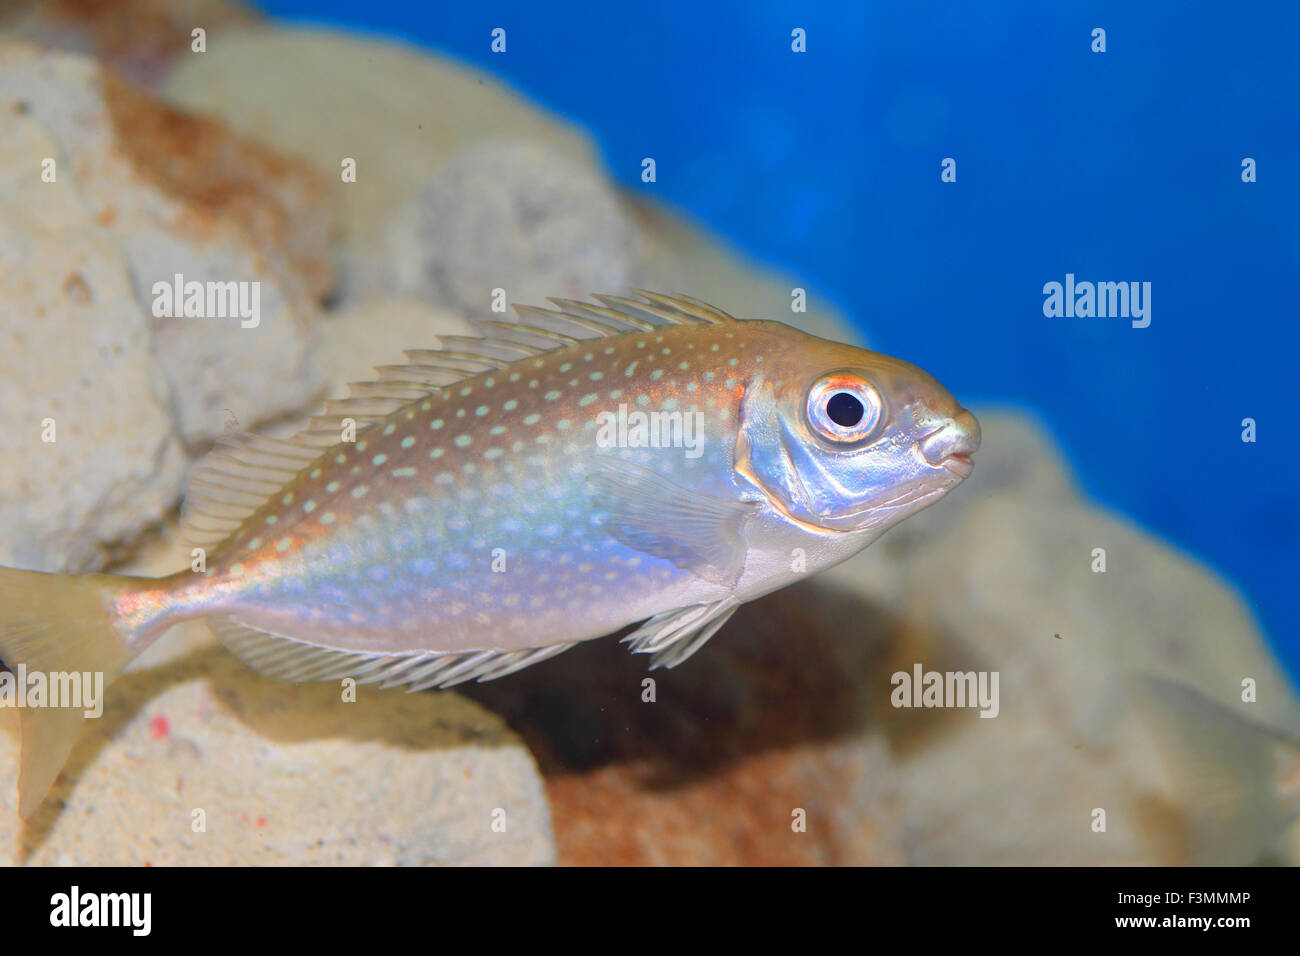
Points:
845	409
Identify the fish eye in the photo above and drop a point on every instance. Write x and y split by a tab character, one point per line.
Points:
843	408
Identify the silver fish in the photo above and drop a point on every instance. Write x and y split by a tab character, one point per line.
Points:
504	498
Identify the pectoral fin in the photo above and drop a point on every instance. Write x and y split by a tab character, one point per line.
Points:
651	514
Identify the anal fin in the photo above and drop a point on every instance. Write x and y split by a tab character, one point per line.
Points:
292	659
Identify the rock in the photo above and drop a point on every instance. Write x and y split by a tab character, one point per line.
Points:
744	814
178	195
139	38
284	774
356	339
397	111
515	216
76	351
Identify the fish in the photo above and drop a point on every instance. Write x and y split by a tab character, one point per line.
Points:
649	461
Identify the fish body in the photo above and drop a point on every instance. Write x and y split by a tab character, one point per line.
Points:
498	500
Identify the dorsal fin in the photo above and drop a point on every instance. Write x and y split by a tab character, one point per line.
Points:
235	480
539	330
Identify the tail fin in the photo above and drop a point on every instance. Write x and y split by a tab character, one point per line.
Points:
57	624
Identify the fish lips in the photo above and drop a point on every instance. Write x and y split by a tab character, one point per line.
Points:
951	445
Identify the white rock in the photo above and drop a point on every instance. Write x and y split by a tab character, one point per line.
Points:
279	774
76	351
514	216
398	112
356	339
181	196
139	38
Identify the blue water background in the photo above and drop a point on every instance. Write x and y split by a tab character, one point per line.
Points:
1117	166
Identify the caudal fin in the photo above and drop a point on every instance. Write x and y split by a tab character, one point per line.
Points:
57	624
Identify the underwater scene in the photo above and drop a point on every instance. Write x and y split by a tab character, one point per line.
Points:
587	434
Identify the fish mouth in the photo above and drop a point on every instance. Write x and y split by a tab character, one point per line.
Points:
959	465
951	445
